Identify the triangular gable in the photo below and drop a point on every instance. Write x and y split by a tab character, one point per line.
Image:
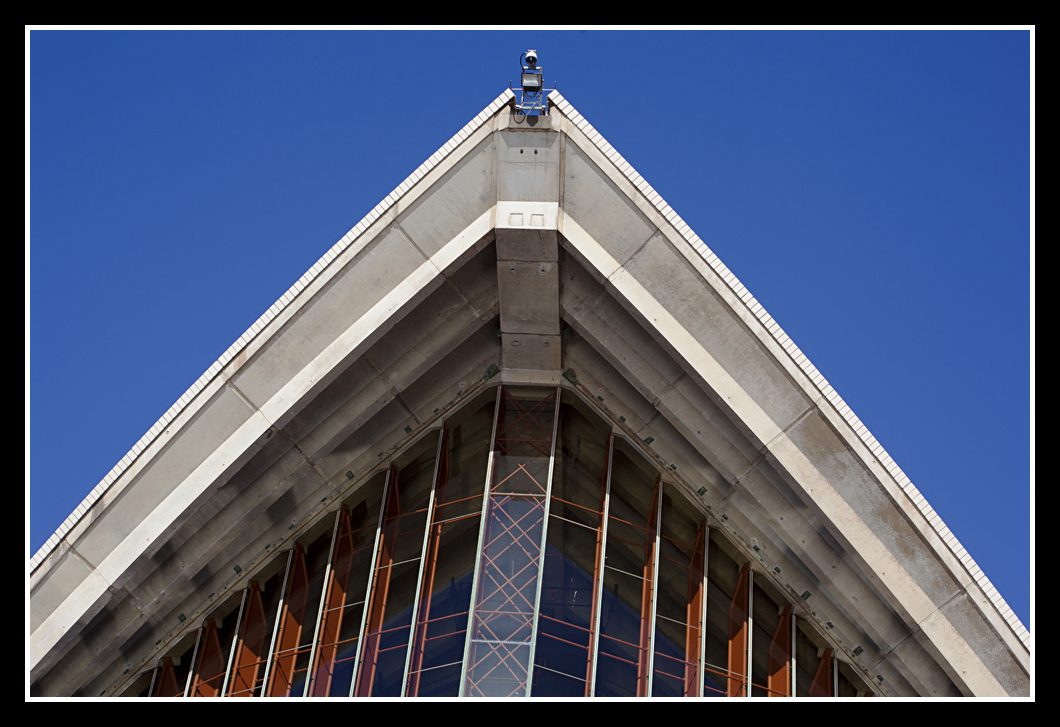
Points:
739	365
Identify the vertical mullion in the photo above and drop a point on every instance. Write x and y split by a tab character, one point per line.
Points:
544	536
311	672
423	561
276	626
793	670
478	552
154	675
750	627
835	677
235	641
703	617
600	574
191	665
655	584
371	576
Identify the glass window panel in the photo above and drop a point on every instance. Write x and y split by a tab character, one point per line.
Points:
173	669
255	630
622	668
219	629
679	598
813	662
468	447
498	660
629	572
726	569
343	612
850	682
572	554
452	540
305	585
140	686
771	661
393	592
564	637
444	610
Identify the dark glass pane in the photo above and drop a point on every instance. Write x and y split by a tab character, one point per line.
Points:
393	591
215	648
851	683
175	666
340	628
259	619
575	539
813	677
629	571
724	566
294	642
452	540
679	598
767	610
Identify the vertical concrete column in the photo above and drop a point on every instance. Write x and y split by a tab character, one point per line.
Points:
528	286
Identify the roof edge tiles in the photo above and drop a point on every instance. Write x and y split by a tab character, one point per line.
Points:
262	322
703	250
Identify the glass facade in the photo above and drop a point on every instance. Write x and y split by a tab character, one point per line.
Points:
521	550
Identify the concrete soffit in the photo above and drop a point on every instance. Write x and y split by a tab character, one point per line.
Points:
788	435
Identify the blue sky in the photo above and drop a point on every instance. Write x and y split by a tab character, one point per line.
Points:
871	189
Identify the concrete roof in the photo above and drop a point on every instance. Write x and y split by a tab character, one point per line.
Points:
667	341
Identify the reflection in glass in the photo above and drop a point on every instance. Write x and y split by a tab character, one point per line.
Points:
498	660
429	594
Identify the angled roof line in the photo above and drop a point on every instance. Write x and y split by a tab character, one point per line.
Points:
653	197
259	325
800	360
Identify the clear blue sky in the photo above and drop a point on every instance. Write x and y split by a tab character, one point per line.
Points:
871	189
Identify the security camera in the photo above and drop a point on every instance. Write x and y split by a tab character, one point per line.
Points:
531	58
